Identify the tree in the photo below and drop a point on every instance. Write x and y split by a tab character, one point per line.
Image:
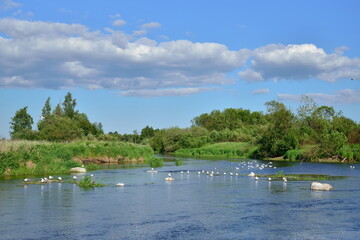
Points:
60	128
147	132
46	111
22	121
69	105
58	110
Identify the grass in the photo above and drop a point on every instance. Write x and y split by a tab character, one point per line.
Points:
300	177
179	162
35	158
88	182
156	162
226	149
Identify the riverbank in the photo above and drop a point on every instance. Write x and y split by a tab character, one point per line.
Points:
308	153
33	157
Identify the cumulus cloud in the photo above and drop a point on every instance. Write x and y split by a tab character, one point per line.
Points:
344	96
151	25
165	92
261	91
299	62
35	54
119	23
58	55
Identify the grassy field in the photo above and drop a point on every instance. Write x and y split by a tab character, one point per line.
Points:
226	149
29	157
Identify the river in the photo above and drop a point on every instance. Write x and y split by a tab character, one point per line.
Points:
191	207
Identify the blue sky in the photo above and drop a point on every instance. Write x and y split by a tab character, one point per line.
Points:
160	63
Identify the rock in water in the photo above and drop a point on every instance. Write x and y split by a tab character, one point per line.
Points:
120	184
316	186
78	170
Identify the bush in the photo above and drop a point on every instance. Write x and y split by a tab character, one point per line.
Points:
156	162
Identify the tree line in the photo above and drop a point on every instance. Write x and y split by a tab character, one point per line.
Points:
311	132
63	123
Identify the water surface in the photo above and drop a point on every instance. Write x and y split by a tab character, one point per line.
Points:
191	207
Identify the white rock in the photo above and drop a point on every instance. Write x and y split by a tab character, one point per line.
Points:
252	174
320	186
78	170
120	184
169	179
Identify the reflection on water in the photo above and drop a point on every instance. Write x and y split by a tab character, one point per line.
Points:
192	207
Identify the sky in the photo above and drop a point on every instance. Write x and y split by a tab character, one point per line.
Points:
133	63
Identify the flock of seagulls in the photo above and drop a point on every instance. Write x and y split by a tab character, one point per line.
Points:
245	165
45	179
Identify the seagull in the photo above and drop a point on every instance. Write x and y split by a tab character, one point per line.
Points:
256	178
284	178
51	177
169	174
60	179
74	177
269	178
26	180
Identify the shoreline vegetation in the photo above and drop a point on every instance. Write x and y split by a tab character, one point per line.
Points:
65	138
35	158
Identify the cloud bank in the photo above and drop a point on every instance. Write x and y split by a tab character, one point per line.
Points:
344	96
57	55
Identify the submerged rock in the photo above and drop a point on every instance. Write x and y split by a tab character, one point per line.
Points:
316	186
78	170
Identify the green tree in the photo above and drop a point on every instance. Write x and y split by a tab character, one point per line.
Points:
46	111
147	132
22	121
60	128
69	105
58	110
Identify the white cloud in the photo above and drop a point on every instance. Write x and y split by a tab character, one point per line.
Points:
261	91
58	55
299	62
8	4
119	23
344	96
165	92
151	25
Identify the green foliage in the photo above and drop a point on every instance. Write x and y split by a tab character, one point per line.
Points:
52	158
59	128
294	155
20	123
46	111
179	162
69	105
156	162
238	150
88	182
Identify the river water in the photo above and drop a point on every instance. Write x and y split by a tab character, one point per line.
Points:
191	207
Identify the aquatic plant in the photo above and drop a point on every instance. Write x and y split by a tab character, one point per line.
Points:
88	181
156	162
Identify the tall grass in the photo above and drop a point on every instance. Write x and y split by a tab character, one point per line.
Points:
27	157
226	149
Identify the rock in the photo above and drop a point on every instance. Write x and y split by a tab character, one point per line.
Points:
120	184
169	179
252	174
78	170
316	186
